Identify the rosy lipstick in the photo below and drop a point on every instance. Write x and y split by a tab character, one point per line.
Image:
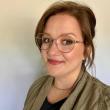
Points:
54	62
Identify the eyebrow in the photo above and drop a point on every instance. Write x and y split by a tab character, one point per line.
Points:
70	33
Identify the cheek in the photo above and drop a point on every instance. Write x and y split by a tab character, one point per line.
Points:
77	55
44	55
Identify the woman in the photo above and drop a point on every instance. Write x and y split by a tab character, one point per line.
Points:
64	36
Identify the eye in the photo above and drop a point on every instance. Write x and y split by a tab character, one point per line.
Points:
46	40
67	42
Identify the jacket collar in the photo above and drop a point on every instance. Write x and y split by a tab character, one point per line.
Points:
79	84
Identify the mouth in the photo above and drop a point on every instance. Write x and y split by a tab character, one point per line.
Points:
54	62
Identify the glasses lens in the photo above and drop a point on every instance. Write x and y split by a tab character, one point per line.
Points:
38	42
66	43
43	41
46	41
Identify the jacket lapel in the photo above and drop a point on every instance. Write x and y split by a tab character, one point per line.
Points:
42	94
71	100
78	87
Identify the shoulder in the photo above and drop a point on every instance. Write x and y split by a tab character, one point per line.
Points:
103	91
37	84
96	82
99	83
34	90
104	102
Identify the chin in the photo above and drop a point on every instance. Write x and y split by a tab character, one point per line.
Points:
53	72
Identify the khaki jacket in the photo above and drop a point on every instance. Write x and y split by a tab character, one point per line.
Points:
88	94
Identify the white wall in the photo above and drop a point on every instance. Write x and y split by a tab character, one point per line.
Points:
19	56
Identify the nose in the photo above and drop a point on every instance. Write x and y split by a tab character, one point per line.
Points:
53	50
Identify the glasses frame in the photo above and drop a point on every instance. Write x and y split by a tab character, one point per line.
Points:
56	41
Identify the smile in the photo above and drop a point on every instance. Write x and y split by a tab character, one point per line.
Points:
54	62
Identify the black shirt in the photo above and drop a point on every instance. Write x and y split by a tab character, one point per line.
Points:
48	106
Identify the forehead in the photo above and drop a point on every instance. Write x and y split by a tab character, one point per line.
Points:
62	24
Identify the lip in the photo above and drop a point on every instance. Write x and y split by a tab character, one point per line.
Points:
54	62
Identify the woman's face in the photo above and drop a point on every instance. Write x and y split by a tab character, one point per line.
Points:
61	64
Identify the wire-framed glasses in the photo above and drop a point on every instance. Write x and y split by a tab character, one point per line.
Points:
65	42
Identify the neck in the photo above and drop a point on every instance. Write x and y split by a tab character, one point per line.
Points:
62	89
66	82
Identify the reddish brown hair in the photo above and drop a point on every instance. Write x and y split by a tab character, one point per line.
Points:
84	16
